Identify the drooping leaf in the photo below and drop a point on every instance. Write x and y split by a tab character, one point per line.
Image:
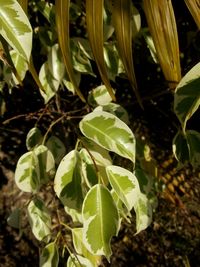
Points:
116	110
77	235
48	11
125	185
62	22
33	138
122	21
100	216
55	64
194	8
162	26
187	95
14	219
39	219
27	174
78	261
99	96
94	20
193	140
109	132
15	27
46	163
143	212
49	84
57	148
20	65
67	183
49	256
180	148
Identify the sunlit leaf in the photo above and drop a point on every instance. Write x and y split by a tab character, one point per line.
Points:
109	132
46	163
94	20
187	95
194	8
116	110
100	216
49	84
78	261
57	148
55	64
143	212
99	96
27	174
49	256
62	22
33	138
162	26
125	185
15	27
40	219
122	19
67	183
77	235
20	65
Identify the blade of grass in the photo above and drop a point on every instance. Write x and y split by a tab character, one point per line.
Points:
194	8
162	25
62	22
94	20
122	17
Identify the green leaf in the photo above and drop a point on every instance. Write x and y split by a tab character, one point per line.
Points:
74	214
27	174
125	185
46	163
57	148
116	110
109	132
39	219
100	216
99	96
33	138
143	212
67	184
187	95
15	27
78	261
136	21
77	235
20	65
49	84
14	219
55	64
193	140
180	148
49	256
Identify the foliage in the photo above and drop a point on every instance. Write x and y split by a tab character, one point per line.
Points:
93	181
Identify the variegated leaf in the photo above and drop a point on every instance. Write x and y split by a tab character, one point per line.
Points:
33	138
67	183
193	139
57	148
187	95
49	256
109	132
20	65
15	27
100	216
125	185
39	219
27	173
99	96
78	261
180	148
46	163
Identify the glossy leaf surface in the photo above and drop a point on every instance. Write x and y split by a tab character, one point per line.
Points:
100	216
109	132
49	256
67	183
